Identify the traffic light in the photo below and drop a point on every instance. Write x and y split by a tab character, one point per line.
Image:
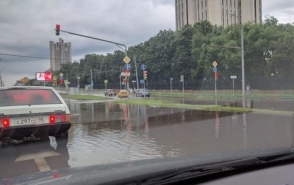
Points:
57	29
216	75
145	75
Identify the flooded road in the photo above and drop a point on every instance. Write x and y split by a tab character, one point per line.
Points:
107	132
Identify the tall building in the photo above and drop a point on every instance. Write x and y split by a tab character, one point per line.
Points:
60	53
219	12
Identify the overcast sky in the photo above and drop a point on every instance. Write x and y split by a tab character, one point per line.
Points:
27	26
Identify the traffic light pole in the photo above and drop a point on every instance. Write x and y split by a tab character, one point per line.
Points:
215	91
144	88
103	40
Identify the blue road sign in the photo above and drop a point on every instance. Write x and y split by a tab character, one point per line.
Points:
91	83
141	81
215	69
143	67
128	66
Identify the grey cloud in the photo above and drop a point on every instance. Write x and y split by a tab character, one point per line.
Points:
28	26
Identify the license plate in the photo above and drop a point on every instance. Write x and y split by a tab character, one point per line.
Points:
30	121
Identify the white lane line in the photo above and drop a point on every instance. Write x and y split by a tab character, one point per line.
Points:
39	159
42	164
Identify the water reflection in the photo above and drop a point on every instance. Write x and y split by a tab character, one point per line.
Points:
217	125
109	132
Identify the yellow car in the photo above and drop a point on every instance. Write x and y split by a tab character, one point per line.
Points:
123	94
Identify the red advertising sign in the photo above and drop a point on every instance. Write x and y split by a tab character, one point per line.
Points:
44	76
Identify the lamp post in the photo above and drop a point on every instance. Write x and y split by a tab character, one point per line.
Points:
242	60
78	78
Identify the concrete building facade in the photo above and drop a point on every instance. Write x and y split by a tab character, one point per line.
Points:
60	53
218	12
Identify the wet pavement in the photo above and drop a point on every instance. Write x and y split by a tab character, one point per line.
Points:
107	132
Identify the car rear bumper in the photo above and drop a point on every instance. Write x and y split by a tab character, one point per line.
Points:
41	131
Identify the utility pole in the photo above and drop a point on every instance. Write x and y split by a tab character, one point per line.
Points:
171	85
242	58
119	82
91	81
243	67
136	72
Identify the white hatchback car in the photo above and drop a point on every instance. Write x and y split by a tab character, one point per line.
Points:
32	112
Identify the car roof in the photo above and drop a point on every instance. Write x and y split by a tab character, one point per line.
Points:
25	87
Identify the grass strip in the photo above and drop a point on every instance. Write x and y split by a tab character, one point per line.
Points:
162	103
220	94
84	97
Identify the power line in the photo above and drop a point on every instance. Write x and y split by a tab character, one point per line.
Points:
35	57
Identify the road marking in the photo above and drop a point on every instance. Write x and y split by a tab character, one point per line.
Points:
39	159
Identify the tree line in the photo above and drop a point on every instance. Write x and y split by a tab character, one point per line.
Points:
269	51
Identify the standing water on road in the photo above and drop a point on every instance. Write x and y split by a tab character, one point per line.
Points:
109	132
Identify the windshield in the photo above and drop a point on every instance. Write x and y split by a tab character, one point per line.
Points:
143	80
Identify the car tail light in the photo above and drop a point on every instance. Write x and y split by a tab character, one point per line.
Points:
58	118
52	119
5	122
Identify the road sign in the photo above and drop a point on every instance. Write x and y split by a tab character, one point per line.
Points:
182	78
122	74
133	81
127	73
141	81
127	59
61	74
143	67
216	75
91	83
106	81
215	69
233	77
128	66
214	64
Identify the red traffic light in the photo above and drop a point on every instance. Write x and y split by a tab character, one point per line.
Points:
57	29
145	75
216	75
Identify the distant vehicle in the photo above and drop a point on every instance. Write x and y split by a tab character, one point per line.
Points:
142	93
32	112
123	94
110	92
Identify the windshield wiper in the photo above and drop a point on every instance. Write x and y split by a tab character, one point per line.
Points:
201	171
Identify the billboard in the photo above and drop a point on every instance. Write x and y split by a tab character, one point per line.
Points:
44	76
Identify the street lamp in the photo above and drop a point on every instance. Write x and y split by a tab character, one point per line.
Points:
171	85
78	78
242	57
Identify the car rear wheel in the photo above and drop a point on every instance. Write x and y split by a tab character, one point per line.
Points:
62	139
